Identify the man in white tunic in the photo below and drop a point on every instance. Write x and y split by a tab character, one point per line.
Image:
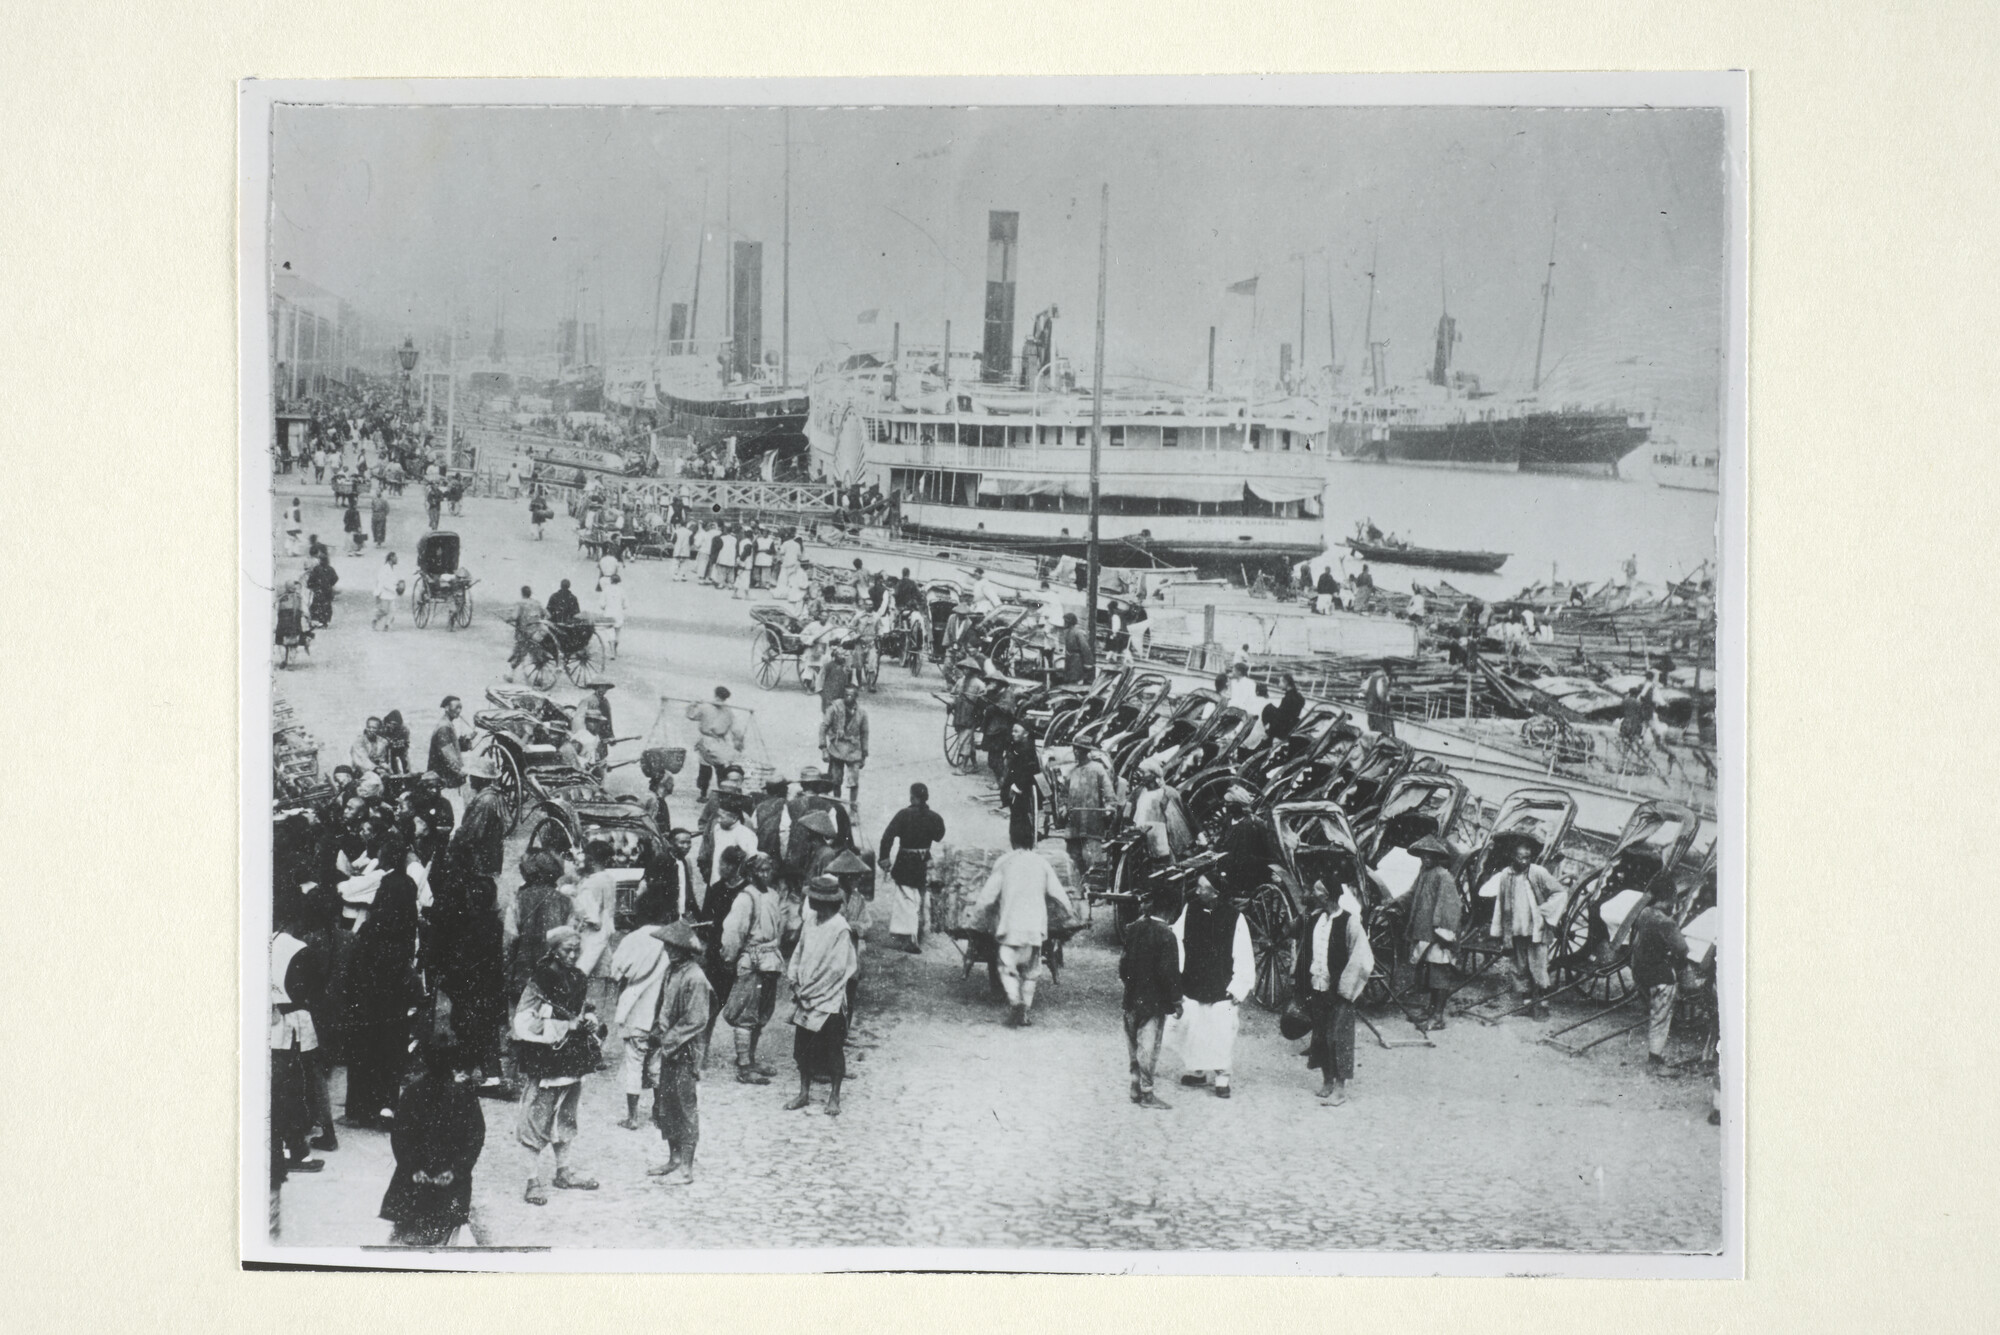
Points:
1218	970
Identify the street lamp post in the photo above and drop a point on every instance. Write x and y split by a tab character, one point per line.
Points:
406	357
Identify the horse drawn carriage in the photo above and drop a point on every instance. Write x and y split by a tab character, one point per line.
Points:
441	582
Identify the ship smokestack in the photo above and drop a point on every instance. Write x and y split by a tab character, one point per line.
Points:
1002	231
677	327
747	302
1447	334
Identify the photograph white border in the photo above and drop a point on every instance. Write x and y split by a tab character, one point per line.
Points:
1727	91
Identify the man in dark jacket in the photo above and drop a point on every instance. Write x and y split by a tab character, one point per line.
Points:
1281	718
563	605
912	833
1658	952
477	844
447	760
1076	651
1151	972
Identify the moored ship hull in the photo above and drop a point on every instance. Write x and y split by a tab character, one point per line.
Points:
1578	442
1492	444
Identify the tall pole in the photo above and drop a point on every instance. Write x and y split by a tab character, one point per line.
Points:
1097	417
785	274
1211	359
948	406
1300	370
728	242
1548	282
700	247
451	400
1368	329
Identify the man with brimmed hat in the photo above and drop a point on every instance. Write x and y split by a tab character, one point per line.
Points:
478	844
1092	795
816	841
1250	847
857	888
968	704
1431	933
820	970
1528	899
679	1040
750	944
769	818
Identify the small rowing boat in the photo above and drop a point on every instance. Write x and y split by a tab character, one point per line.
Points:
1478	563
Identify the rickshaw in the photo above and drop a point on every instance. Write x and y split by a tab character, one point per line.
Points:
1088	706
780	640
1364	777
1592	954
1420	803
1191	712
1315	843
905	639
440	582
563	826
572	647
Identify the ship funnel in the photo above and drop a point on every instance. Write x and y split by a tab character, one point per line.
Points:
747	303
1447	335
1002	231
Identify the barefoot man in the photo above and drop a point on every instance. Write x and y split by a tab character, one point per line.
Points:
821	966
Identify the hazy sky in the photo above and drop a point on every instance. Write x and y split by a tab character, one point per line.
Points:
408	211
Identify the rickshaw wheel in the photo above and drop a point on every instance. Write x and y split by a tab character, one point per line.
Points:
542	670
588	660
461	611
765	660
1272	920
507	782
1382	940
913	657
420	606
959	752
1124	881
550	835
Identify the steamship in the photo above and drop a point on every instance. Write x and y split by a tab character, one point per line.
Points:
731	388
992	451
1451	422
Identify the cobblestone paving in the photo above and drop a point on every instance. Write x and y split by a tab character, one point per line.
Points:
960	1132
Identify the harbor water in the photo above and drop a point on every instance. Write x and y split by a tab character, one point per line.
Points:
1552	526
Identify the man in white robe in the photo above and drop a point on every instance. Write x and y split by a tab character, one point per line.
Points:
1218	970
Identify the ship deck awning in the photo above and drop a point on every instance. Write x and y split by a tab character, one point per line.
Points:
1281	491
1208	490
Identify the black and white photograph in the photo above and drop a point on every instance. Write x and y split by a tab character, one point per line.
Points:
1056	675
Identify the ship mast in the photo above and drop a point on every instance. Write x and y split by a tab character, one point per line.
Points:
1548	282
1097	417
700	245
785	270
659	291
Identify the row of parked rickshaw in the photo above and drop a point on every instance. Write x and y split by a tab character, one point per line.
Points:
1341	805
1015	638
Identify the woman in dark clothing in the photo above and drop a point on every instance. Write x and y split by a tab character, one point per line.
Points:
1017	788
472	971
1281	718
380	990
437	1138
539	908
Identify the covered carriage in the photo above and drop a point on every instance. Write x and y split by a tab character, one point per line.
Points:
441	582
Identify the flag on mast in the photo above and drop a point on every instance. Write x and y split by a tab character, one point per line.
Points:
867	316
1246	288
